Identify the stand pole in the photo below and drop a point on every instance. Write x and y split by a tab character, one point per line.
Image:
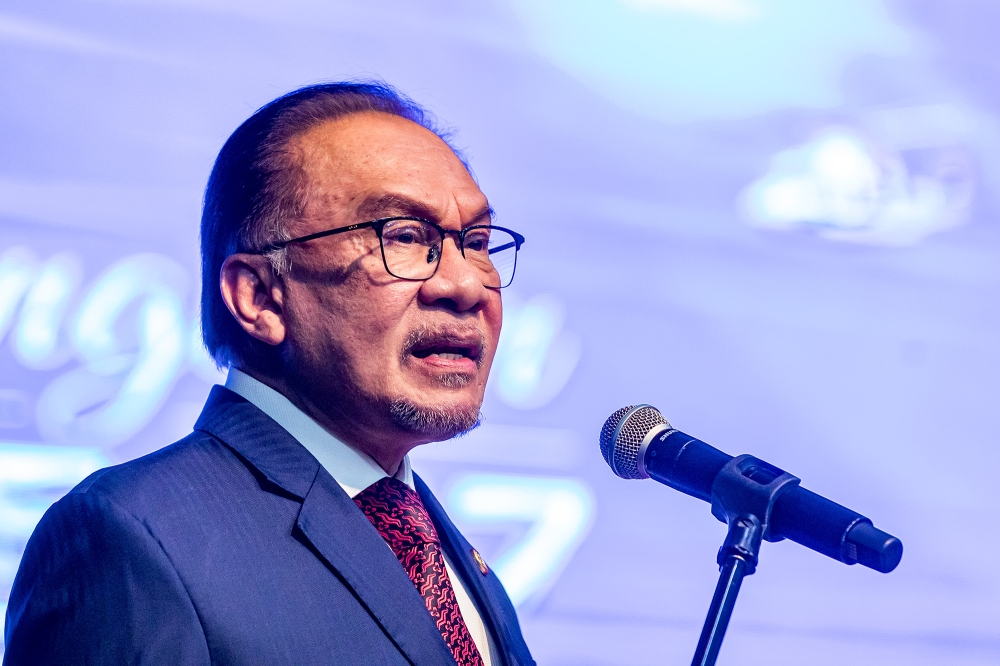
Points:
720	611
743	495
737	558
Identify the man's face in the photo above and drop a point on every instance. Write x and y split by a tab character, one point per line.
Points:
370	349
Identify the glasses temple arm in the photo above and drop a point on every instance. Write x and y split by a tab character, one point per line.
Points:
502	247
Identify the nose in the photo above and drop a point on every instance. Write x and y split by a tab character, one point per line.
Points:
456	285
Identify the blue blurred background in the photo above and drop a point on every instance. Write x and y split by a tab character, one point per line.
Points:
776	220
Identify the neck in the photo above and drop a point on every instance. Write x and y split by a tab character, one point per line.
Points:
386	448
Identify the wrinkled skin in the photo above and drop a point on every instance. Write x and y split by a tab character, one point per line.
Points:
359	349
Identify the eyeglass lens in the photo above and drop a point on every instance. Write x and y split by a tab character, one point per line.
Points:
412	250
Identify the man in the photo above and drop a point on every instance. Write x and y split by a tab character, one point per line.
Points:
351	280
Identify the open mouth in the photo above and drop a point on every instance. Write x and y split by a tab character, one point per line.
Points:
447	352
448	346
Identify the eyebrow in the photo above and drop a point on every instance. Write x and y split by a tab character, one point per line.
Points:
388	205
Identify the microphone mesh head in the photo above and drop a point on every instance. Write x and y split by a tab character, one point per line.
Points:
622	436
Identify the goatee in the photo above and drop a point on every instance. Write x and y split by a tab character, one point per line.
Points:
439	424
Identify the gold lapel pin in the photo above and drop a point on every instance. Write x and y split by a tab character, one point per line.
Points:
480	561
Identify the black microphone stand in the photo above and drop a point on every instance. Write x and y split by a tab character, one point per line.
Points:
743	496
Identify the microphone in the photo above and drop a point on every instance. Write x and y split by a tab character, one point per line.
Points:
638	443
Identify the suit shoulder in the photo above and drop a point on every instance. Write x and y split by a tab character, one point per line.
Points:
95	584
186	468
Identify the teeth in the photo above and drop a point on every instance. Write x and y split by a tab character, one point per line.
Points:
449	357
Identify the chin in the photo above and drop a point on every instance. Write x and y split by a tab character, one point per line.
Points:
437	405
434	423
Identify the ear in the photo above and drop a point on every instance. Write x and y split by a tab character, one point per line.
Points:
255	296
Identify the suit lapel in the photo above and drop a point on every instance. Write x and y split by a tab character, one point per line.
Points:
332	524
491	599
353	547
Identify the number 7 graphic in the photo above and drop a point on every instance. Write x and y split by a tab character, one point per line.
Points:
559	510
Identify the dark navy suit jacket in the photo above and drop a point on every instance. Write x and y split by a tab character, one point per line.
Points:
231	546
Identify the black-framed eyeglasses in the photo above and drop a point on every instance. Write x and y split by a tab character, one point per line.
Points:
412	247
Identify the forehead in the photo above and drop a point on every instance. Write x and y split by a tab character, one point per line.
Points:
350	159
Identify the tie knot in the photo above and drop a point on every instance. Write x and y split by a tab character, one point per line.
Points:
397	513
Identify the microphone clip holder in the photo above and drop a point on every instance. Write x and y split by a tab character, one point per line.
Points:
743	496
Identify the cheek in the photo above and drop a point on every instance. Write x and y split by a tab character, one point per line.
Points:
494	315
343	293
492	323
361	321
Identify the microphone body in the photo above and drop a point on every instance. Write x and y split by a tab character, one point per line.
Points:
639	443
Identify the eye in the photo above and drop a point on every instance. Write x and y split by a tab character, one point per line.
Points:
407	232
477	240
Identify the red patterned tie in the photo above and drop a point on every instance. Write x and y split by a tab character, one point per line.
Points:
398	514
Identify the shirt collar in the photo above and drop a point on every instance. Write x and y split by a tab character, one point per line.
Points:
352	469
